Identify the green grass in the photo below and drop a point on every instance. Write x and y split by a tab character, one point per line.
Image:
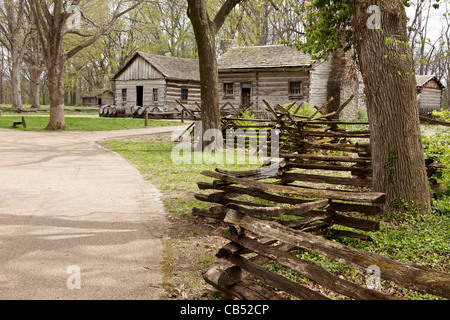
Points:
69	110
38	123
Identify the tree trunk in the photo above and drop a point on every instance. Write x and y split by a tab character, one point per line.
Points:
15	79
35	87
205	33
388	71
55	86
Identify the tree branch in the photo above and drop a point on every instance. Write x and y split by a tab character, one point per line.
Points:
106	29
224	12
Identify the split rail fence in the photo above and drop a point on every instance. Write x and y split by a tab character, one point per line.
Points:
320	188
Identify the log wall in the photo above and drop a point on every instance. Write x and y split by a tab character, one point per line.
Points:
273	86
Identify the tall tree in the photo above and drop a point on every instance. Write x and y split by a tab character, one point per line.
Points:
52	18
398	157
15	29
378	32
205	30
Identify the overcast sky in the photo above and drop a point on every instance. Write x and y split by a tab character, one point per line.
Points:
436	22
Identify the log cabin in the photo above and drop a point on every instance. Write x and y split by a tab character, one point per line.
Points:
283	75
429	93
149	80
98	98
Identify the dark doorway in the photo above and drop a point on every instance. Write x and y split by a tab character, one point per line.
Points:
140	96
100	101
246	94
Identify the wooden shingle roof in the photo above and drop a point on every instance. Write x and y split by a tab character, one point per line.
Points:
263	57
423	79
98	93
172	68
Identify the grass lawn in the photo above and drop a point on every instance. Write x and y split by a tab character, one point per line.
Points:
68	110
38	123
409	238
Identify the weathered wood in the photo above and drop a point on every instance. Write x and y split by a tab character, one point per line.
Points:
276	280
326	179
17	123
317	157
307	269
346	134
215	214
433	121
313	193
350	207
230	276
319	110
240	290
254	193
350	234
411	276
218	198
329	167
262	173
352	222
297	210
309	217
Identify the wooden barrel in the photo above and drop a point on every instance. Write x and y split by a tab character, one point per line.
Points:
108	111
102	110
141	111
134	110
121	111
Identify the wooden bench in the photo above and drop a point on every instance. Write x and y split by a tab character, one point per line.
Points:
18	123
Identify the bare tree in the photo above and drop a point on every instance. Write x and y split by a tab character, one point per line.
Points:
14	30
52	18
387	67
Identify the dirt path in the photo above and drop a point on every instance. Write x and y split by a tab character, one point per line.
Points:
74	213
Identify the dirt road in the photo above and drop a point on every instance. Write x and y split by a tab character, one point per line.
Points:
77	221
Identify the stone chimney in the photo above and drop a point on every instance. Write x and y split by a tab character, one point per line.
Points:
342	83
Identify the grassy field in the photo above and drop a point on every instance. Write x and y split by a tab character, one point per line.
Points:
410	237
69	110
38	123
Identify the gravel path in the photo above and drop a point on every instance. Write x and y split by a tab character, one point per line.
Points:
77	221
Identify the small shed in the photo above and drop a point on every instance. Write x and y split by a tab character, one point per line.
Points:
149	80
98	98
429	93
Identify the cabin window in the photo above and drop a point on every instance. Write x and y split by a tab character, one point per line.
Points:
295	88
155	95
228	89
184	94
124	95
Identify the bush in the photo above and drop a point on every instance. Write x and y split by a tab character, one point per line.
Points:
362	114
246	115
444	115
305	111
438	148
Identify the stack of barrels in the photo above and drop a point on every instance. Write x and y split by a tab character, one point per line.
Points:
108	111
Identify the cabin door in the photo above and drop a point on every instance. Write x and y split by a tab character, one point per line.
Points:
140	96
246	94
